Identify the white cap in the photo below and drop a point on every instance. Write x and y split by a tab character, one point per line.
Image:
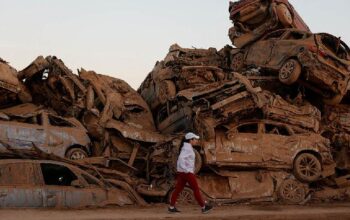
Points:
191	135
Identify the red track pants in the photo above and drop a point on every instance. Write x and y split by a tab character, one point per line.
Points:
181	180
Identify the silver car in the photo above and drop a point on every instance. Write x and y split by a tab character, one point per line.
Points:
26	125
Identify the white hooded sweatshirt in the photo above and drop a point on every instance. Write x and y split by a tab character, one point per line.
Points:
186	160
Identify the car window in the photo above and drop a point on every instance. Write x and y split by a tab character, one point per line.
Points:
274	35
248	128
58	175
18	174
35	120
276	129
295	36
59	122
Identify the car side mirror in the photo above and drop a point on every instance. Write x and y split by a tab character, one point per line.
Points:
77	184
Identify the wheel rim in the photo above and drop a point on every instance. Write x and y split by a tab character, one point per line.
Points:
77	155
308	166
287	70
292	191
186	197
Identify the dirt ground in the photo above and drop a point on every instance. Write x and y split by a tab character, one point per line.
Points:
320	212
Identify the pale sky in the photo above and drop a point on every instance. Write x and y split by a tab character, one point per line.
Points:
124	38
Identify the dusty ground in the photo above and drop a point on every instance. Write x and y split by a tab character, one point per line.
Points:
319	212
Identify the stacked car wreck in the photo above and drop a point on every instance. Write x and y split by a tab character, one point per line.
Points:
272	113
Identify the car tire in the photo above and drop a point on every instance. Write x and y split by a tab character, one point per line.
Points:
307	167
186	197
237	62
291	192
165	90
290	72
284	15
76	154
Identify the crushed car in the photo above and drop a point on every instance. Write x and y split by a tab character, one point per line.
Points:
321	61
46	183
254	18
224	187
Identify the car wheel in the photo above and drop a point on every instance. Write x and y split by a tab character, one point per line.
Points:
76	154
198	162
237	62
284	15
165	90
186	197
291	192
307	167
290	72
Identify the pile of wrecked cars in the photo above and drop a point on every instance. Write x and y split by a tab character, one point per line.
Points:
272	112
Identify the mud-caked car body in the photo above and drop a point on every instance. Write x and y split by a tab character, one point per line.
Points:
254	18
319	61
21	130
224	186
272	145
44	183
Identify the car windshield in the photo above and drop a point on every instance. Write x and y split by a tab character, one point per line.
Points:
335	45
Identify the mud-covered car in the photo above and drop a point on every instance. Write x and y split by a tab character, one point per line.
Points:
10	87
320	61
27	125
254	18
44	183
336	127
181	69
236	186
219	104
269	144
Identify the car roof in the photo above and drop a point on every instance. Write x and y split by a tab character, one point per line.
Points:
11	161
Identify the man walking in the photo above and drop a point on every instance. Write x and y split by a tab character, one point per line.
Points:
185	174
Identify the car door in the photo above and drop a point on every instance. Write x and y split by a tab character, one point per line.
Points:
239	147
66	188
55	130
20	185
277	142
23	132
288	45
260	52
